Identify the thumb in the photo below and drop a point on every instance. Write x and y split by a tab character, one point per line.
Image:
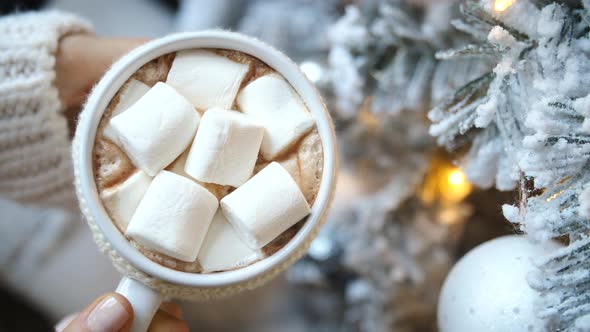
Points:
109	313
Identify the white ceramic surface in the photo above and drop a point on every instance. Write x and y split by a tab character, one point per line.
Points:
114	79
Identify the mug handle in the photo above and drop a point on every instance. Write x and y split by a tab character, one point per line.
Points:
144	300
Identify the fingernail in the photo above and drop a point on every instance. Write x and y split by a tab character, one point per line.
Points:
65	322
109	315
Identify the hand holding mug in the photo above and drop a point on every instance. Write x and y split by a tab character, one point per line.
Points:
112	312
146	282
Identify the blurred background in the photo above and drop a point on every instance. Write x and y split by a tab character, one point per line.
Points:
403	213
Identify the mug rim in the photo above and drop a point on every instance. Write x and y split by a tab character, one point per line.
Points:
120	72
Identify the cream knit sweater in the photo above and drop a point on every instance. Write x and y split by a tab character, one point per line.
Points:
37	200
35	164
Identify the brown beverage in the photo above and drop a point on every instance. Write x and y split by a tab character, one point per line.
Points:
303	160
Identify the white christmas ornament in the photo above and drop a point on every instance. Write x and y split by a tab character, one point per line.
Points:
487	291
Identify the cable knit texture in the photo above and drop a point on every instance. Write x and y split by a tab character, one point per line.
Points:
35	166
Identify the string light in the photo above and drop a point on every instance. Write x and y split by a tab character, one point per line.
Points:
456	177
554	196
502	5
445	183
446	186
455	187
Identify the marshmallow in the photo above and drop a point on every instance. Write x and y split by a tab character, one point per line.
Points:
173	217
271	101
225	148
122	199
265	206
290	164
177	165
130	93
223	250
206	79
157	128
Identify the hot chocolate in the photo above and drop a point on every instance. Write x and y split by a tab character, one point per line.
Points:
124	169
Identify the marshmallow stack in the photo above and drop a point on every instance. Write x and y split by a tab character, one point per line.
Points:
122	199
265	206
271	101
206	79
223	249
164	205
225	148
173	216
157	128
130	93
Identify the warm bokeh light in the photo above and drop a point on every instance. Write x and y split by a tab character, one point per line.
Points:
554	196
453	214
501	5
445	183
456	187
456	177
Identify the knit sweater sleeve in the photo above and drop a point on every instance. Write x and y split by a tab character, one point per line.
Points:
35	164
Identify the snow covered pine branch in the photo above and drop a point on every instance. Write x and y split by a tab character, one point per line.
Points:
527	125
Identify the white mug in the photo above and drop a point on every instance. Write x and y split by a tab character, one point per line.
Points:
143	277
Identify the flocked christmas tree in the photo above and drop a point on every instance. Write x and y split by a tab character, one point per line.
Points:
507	84
515	81
526	123
384	254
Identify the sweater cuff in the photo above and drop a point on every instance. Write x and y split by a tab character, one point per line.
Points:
39	29
35	165
28	45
